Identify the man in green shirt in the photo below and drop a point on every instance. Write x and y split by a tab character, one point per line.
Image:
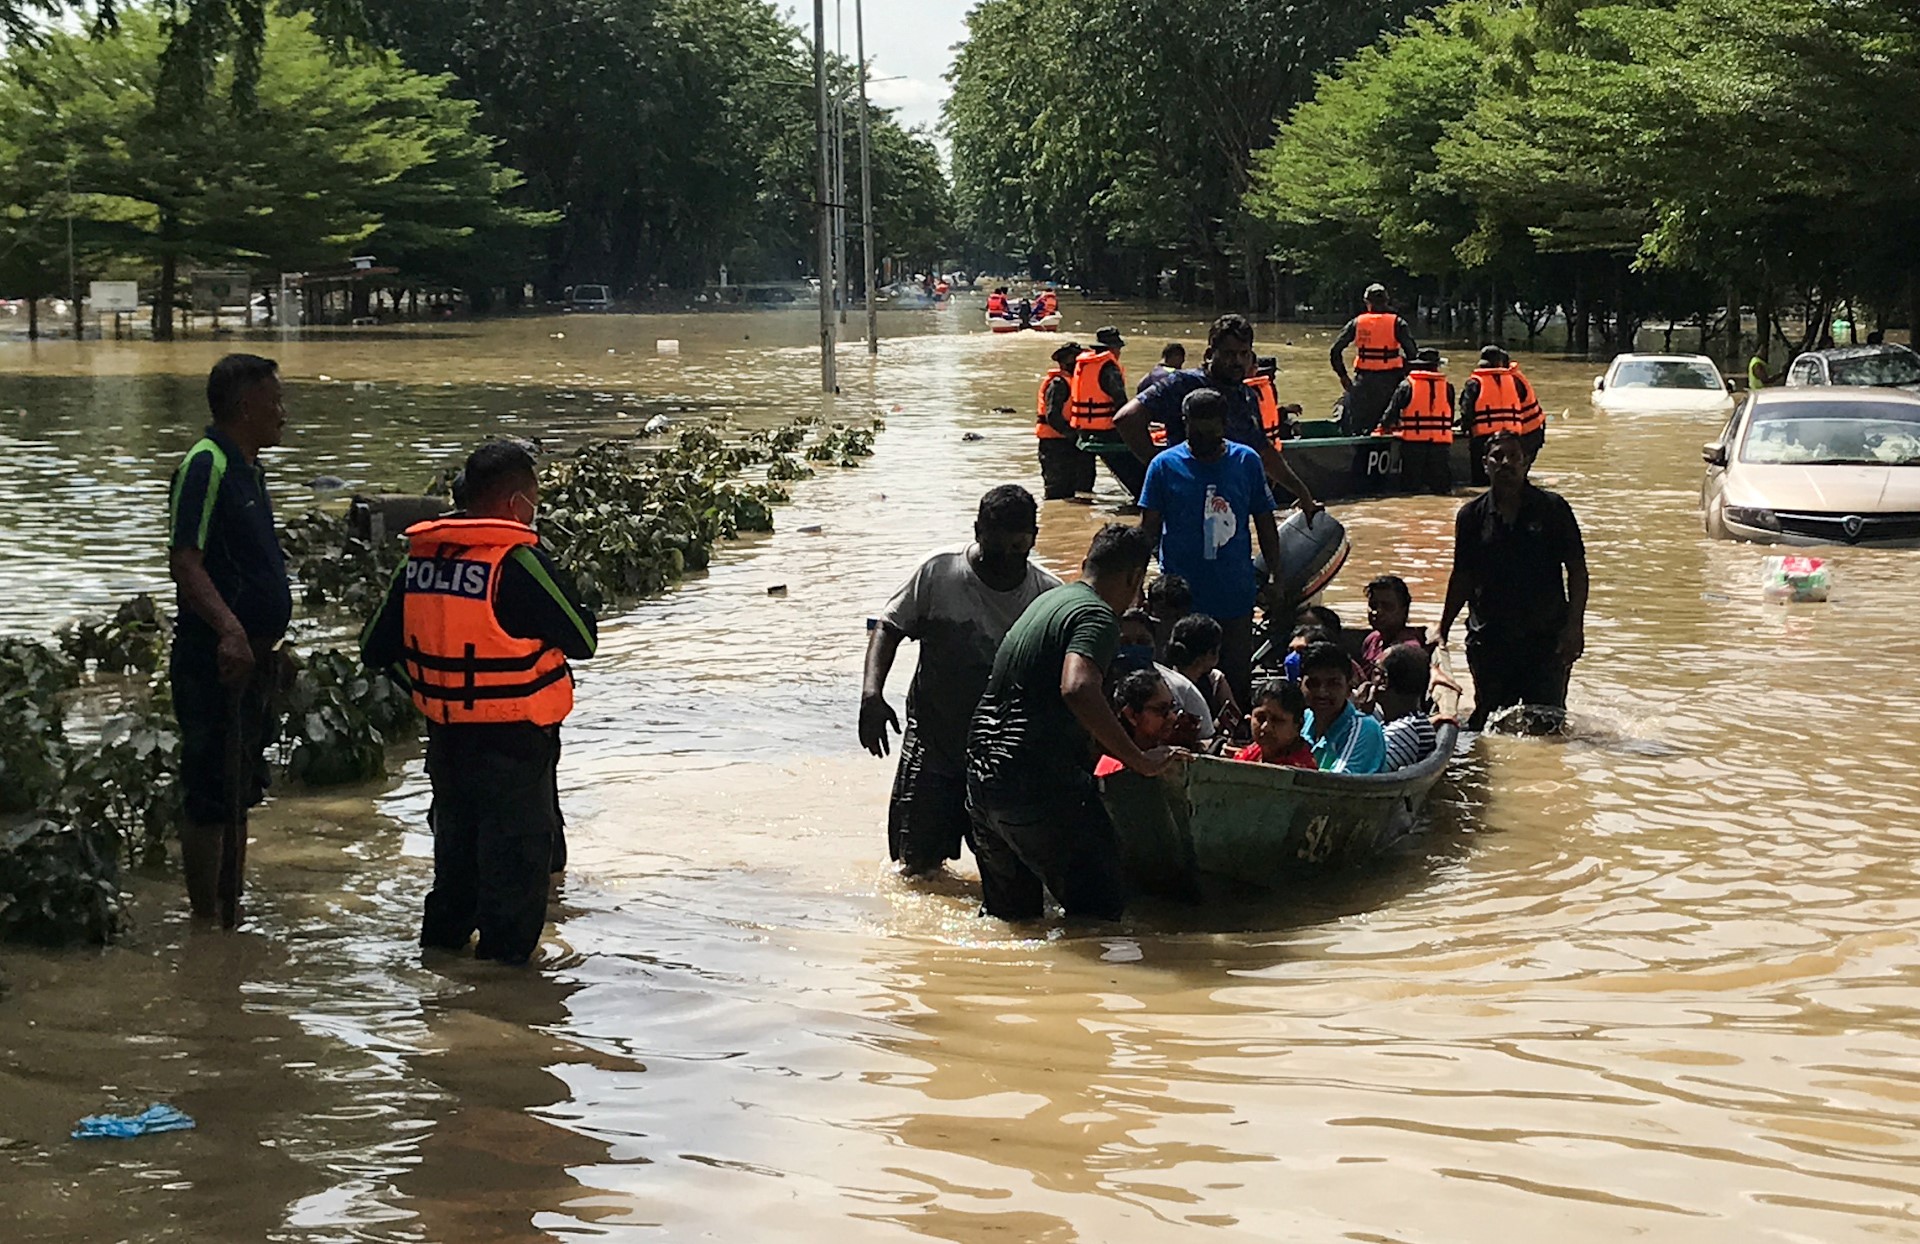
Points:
1038	823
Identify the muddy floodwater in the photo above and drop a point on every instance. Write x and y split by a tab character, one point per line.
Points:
1658	981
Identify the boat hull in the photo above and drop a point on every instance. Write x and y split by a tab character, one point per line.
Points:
1261	825
1345	468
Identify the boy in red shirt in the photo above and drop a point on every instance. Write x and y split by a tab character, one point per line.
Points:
1279	714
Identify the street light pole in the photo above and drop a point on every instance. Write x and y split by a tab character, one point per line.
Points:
824	214
840	163
866	180
73	284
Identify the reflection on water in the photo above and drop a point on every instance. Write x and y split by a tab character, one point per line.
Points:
1654	978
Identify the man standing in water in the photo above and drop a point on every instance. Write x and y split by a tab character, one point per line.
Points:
233	608
1038	823
1383	347
1228	362
482	630
1066	470
1520	569
1204	498
959	606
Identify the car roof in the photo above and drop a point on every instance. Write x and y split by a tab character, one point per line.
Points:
1857	352
1842	394
1663	358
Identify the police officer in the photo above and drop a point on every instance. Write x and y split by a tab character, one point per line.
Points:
1383	346
1065	468
1098	390
481	625
233	608
1421	415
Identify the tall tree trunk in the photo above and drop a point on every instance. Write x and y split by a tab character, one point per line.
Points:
1733	325
33	317
1499	314
1220	268
1913	307
163	298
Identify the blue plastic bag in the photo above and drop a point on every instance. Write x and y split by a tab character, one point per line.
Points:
155	1118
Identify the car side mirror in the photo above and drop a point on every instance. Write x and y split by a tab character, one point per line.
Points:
1731	385
1714	454
1599	383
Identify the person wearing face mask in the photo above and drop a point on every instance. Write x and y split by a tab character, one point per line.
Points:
1229	361
482	626
958	606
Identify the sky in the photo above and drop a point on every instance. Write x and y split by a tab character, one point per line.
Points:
909	43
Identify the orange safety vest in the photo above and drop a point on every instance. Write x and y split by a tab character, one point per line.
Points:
1498	407
1041	428
1269	402
1429	416
996	304
1091	408
1376	342
464	667
1045	305
1532	417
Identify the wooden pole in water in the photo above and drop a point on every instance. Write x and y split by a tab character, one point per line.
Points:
866	180
824	208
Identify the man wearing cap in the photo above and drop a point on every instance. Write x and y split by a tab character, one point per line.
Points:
1420	413
1065	468
1497	398
1383	346
1097	391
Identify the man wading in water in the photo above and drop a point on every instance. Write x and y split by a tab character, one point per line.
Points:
1520	569
958	606
1038	823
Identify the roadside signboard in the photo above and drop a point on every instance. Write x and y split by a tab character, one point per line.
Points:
103	296
214	288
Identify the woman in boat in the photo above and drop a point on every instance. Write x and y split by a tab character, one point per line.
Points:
1194	651
1145	705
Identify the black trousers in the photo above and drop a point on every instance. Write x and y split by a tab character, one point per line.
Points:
1515	669
495	817
1065	469
1129	470
1426	466
1367	400
1063	844
927	816
205	711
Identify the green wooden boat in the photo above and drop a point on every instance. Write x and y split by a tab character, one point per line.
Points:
1333	466
1262	824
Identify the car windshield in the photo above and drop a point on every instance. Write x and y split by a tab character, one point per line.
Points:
1664	374
1877	370
590	293
1834	434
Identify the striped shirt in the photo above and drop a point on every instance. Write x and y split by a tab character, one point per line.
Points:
1410	740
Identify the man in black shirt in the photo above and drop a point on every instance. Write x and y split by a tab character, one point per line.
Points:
233	608
1520	569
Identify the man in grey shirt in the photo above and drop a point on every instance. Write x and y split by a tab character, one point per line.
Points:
958	605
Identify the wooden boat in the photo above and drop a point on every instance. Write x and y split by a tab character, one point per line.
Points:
1262	824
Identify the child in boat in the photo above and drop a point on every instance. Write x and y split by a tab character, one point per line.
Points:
1194	652
1193	725
1344	739
1388	604
1145	706
1279	715
1404	676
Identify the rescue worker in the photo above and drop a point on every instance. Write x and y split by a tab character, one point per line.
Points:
1533	417
481	627
1758	377
1098	389
1264	382
997	303
1383	346
1045	303
1421	415
1065	469
233	604
1496	399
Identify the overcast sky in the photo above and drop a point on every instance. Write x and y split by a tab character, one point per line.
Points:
910	44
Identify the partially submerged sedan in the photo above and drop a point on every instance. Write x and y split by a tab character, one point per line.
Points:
1881	366
1817	465
1687	383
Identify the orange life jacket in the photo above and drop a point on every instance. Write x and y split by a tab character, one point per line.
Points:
1532	417
464	667
1091	408
997	304
1269	402
1429	416
1376	342
1044	304
1041	428
1498	408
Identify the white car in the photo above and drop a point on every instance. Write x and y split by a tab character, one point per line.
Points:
1679	383
1817	465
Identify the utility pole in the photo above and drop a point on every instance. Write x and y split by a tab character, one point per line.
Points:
73	284
824	214
866	180
840	162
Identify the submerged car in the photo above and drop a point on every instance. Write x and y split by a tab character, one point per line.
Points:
1815	466
1877	367
1666	382
589	298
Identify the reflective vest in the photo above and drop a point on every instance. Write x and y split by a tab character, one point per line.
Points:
1532	417
464	667
1376	342
1041	428
1429	416
1091	408
1045	305
1498	407
997	304
1756	372
1269	403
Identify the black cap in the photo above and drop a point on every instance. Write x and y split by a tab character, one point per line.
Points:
1374	291
1110	338
1067	353
1492	356
1430	357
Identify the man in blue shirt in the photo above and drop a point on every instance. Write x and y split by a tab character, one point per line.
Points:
1344	739
234	605
1229	361
1201	500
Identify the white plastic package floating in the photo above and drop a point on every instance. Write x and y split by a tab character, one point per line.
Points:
1784	579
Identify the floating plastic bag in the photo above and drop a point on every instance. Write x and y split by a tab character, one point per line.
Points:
155	1118
1785	579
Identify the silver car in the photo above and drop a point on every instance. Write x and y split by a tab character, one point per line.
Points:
1881	366
1814	466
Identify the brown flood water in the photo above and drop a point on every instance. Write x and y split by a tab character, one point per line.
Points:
1657	981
